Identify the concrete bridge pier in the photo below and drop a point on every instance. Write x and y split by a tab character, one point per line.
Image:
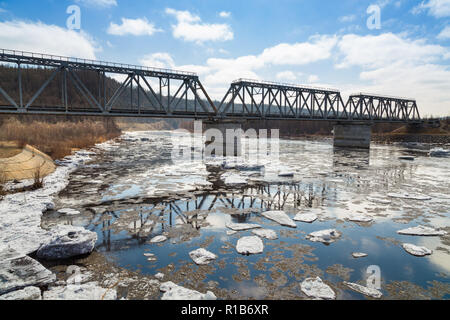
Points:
352	135
223	138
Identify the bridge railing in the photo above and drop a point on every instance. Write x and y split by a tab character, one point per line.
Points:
381	96
99	63
285	85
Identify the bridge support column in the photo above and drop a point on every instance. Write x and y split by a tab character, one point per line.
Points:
223	139
352	135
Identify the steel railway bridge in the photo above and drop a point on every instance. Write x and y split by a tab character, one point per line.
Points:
162	93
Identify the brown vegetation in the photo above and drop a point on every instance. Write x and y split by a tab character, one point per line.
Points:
57	138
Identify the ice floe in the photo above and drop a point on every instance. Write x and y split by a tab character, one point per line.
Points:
67	242
439	152
357	255
325	236
250	245
409	196
18	271
360	218
370	292
242	226
159	276
28	293
315	288
176	292
306	217
69	212
202	256
416	250
266	233
88	291
158	239
280	217
422	231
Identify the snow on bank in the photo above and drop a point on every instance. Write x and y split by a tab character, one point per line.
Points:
20	214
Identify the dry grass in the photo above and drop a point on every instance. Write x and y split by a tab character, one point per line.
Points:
58	139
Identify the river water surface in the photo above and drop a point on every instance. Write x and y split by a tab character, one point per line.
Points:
131	192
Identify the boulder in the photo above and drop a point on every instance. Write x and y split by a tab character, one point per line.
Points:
68	242
202	256
280	217
315	288
250	245
18	271
176	292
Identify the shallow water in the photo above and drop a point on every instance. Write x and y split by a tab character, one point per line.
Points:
131	192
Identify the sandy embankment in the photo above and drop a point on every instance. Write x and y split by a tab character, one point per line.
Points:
23	164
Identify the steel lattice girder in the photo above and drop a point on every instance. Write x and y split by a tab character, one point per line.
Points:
245	99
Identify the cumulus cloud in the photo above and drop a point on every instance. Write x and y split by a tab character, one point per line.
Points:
98	3
436	8
158	60
376	51
313	78
43	38
190	28
225	14
286	76
135	27
445	33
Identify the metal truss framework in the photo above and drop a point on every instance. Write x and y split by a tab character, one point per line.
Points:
245	99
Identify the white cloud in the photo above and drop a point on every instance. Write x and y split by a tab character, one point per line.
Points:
225	14
377	51
43	38
135	27
436	8
98	3
445	33
319	48
158	60
190	28
348	18
313	78
286	76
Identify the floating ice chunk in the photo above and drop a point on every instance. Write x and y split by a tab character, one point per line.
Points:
69	212
306	217
439	152
409	196
67	242
242	226
158	239
422	231
416	250
370	292
159	276
250	245
148	255
29	293
18	271
266	233
315	288
88	291
280	217
357	255
202	256
230	233
324	236
360	218
176	292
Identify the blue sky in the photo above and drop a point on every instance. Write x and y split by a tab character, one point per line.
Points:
321	43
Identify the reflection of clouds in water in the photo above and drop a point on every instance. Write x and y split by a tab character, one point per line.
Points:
370	246
217	221
251	290
439	258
